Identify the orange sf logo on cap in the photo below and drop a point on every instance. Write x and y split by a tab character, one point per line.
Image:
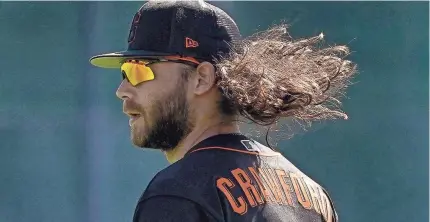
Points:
190	43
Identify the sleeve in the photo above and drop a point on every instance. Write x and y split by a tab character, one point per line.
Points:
167	209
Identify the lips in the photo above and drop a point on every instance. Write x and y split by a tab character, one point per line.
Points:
133	116
131	109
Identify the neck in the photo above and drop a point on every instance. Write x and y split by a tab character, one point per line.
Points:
201	132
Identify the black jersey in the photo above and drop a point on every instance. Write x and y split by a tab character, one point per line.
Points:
230	177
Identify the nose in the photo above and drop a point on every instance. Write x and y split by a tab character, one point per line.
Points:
124	90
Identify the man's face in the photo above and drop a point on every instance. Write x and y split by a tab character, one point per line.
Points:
158	109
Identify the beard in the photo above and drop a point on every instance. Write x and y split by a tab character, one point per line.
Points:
169	123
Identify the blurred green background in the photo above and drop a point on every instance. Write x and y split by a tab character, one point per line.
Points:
65	153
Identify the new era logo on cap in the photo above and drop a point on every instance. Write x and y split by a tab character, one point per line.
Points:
189	43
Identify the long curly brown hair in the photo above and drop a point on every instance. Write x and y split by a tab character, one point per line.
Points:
269	76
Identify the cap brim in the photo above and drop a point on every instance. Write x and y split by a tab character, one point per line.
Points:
114	60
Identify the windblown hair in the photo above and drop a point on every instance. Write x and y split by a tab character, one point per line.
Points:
270	75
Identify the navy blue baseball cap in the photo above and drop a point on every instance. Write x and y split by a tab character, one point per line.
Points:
176	28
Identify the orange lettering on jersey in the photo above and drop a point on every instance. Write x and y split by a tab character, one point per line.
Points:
323	206
263	176
286	187
315	197
240	207
326	209
277	185
299	188
272	184
260	183
245	183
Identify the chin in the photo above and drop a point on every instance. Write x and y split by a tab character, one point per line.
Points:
139	142
138	137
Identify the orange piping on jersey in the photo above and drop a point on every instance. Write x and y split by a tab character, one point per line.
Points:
235	150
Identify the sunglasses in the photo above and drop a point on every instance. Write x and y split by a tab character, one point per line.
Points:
137	71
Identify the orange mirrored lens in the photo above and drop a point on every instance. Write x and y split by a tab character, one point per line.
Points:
137	72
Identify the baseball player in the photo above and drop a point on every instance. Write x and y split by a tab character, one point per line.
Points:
189	78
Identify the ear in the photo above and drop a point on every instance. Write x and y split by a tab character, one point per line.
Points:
205	78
